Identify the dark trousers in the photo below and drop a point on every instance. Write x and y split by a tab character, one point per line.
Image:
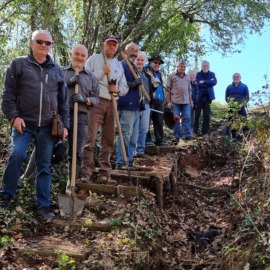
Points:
203	105
157	119
82	131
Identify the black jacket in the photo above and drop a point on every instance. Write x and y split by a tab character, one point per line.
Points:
25	96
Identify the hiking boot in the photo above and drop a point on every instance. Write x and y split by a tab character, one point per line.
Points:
86	178
45	214
5	200
121	167
140	155
106	180
162	143
149	143
175	141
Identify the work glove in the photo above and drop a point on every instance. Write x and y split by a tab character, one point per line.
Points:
135	83
74	80
79	98
155	82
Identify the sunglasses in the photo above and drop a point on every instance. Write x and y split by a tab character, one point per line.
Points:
40	42
157	63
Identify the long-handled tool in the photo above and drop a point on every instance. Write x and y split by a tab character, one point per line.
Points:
121	139
71	205
169	117
135	75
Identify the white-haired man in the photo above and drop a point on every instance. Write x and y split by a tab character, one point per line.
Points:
26	103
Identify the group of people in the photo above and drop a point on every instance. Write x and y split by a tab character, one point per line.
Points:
32	82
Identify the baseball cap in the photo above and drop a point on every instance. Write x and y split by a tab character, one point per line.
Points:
111	38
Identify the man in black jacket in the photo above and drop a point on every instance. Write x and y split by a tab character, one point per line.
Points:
26	103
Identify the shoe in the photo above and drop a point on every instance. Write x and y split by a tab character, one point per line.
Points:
187	138
149	143
86	178
140	155
5	200
121	167
162	143
205	136
106	180
175	141
45	214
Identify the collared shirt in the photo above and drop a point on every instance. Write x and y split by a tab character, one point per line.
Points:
95	64
180	87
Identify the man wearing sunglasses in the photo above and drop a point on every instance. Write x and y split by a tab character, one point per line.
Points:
26	103
158	98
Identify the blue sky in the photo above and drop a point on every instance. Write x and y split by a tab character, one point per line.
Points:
252	63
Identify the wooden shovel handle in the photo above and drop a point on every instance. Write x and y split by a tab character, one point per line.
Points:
135	76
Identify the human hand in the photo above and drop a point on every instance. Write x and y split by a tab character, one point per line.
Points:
191	104
113	88
18	123
106	69
155	82
170	105
79	98
137	82
74	80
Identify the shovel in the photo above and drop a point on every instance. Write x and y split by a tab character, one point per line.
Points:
70	204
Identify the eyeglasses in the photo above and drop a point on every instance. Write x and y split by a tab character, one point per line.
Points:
157	63
40	42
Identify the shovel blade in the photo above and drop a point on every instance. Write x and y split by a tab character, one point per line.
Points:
70	206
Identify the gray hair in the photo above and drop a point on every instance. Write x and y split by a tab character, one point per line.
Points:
143	54
45	32
130	44
77	46
205	62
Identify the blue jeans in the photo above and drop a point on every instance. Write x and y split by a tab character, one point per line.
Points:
182	110
129	121
143	129
44	144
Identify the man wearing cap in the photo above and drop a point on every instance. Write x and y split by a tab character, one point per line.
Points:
158	98
102	115
180	102
129	110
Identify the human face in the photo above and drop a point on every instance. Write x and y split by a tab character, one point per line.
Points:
132	52
181	69
110	48
140	61
205	67
40	51
236	78
192	76
155	64
78	57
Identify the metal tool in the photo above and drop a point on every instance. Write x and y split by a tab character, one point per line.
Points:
70	204
169	117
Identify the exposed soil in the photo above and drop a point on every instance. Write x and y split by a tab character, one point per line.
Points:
189	233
